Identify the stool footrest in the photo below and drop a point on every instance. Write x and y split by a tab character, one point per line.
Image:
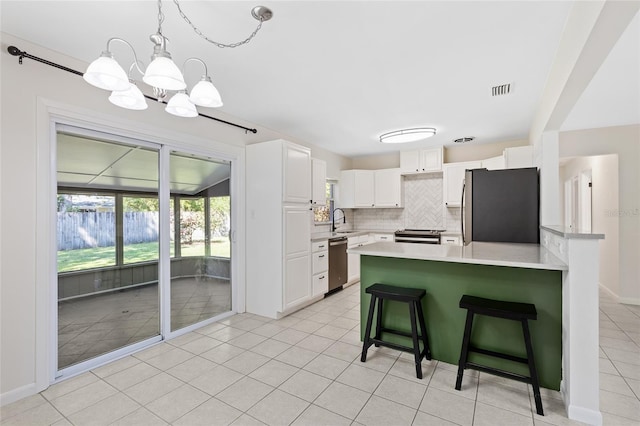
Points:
498	372
498	355
398	332
395	346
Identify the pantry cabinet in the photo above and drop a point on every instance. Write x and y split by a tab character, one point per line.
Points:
278	228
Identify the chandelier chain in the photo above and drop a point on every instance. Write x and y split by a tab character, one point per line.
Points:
218	44
160	17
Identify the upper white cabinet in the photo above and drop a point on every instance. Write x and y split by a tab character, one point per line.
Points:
518	157
370	188
421	161
387	188
278	228
363	185
297	179
318	182
452	180
494	163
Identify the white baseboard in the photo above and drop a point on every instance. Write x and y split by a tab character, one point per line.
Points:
625	300
629	300
17	394
585	415
608	290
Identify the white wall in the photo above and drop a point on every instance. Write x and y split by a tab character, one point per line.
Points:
625	142
24	275
604	193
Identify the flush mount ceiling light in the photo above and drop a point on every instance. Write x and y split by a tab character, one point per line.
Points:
162	73
408	135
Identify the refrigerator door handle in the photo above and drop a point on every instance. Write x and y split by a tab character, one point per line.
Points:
462	212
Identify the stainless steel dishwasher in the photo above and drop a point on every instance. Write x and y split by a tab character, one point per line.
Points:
337	263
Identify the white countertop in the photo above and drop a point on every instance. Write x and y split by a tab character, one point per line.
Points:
532	256
566	232
317	236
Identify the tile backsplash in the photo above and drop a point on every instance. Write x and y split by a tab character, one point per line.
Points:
423	208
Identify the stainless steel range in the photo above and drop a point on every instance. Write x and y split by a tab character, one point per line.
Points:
419	236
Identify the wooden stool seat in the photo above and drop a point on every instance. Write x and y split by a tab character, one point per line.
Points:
515	311
411	296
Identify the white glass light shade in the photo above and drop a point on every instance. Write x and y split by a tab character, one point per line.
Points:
105	73
407	135
205	94
181	105
164	74
131	98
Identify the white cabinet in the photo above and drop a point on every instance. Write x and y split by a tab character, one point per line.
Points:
278	228
320	267
518	157
318	182
353	260
493	163
452	179
364	188
387	188
297	179
421	161
370	188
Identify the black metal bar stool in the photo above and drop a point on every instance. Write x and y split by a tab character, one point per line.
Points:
411	296
515	311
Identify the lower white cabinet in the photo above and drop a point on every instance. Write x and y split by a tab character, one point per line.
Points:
320	267
353	260
297	262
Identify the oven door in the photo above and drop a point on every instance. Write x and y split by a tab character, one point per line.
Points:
417	240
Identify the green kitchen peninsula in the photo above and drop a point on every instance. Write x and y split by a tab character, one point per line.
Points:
504	271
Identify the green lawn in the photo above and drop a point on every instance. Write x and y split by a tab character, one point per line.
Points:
75	260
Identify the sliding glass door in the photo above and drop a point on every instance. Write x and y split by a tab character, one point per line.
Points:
109	225
108	233
201	270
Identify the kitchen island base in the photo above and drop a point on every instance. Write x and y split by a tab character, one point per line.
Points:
446	282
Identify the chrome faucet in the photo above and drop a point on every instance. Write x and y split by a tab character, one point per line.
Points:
333	219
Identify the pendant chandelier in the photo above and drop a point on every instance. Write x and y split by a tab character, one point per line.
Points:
162	74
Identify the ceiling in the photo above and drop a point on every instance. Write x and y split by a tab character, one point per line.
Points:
89	164
337	74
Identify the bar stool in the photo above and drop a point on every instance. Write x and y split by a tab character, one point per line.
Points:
411	296
508	310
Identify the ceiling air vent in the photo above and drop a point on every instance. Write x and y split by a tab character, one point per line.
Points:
503	89
464	140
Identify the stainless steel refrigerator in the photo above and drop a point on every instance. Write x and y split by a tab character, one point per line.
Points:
501	206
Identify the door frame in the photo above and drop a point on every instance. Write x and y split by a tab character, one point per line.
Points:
51	114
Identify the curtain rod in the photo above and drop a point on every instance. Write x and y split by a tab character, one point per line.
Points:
22	54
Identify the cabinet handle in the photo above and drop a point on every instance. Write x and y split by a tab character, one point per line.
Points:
372	205
321	278
322	246
322	255
417	170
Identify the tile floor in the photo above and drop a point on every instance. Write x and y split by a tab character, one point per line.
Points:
305	370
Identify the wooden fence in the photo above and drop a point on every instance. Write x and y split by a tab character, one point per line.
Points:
78	230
